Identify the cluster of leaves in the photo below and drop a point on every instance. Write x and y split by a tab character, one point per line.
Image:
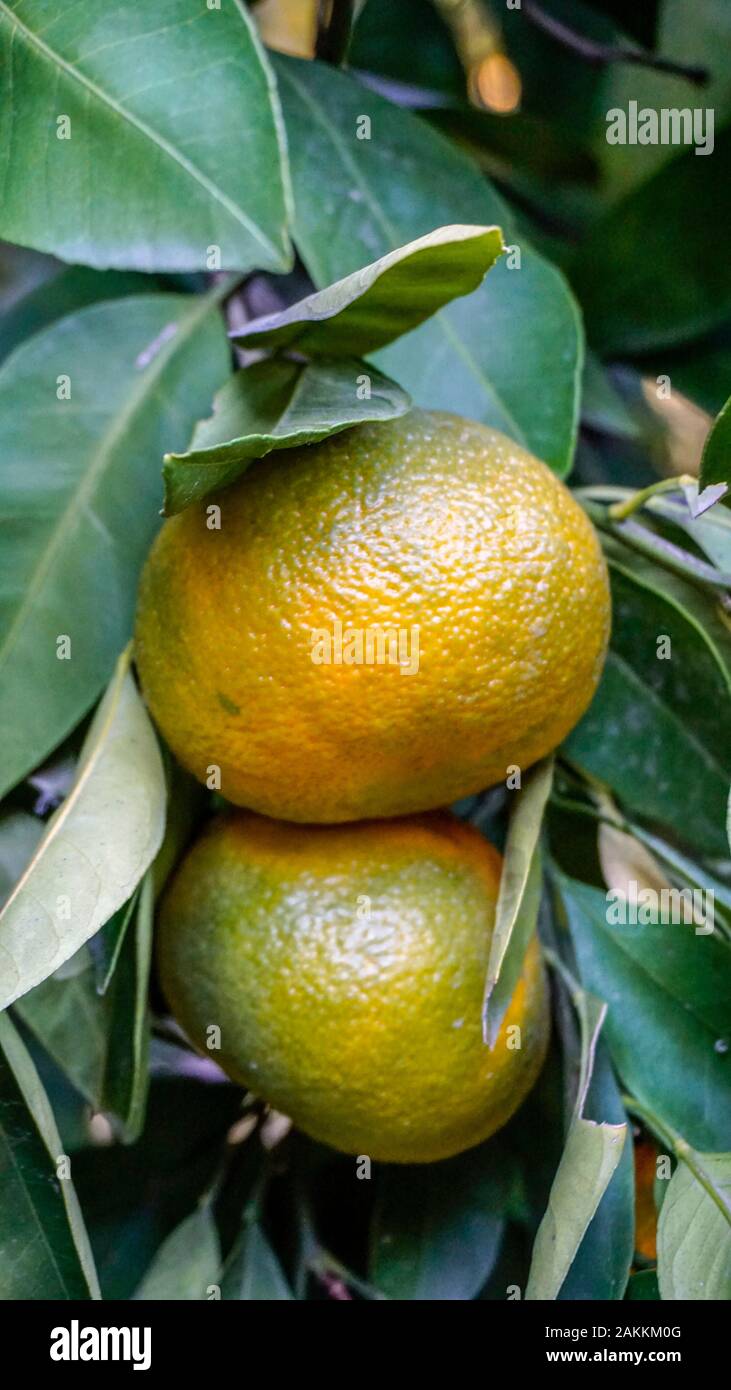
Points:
164	147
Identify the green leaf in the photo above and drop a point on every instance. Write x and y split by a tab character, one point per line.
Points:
694	1231
518	898
106	1058
602	406
126	1072
275	404
106	946
143	95
381	301
187	1263
437	1228
71	289
716	460
588	1162
253	1273
383	41
19	835
82	493
509	354
651	733
44	1248
665	987
648	274
711	531
601	1265
71	1021
96	848
643	1286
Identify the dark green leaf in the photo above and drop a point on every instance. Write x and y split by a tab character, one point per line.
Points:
253	1272
602	407
187	1263
380	302
643	1286
126	1072
437	1228
276	404
120	114
658	983
716	460
68	1017
71	289
81	494
96	847
511	353
44	1249
648	274
651	732
106	946
384	42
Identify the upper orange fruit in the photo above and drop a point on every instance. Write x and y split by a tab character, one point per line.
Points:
258	643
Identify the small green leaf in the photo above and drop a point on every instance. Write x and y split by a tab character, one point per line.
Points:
96	848
588	1162
122	115
518	898
253	1273
510	354
694	1230
716	460
44	1248
187	1262
275	404
373	306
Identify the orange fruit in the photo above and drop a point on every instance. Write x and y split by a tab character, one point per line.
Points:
344	967
383	623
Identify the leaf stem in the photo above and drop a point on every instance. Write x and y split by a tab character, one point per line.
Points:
619	510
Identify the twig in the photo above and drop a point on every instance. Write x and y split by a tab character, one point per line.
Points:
601	54
334	25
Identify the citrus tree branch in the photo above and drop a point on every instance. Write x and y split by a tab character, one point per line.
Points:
334	25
